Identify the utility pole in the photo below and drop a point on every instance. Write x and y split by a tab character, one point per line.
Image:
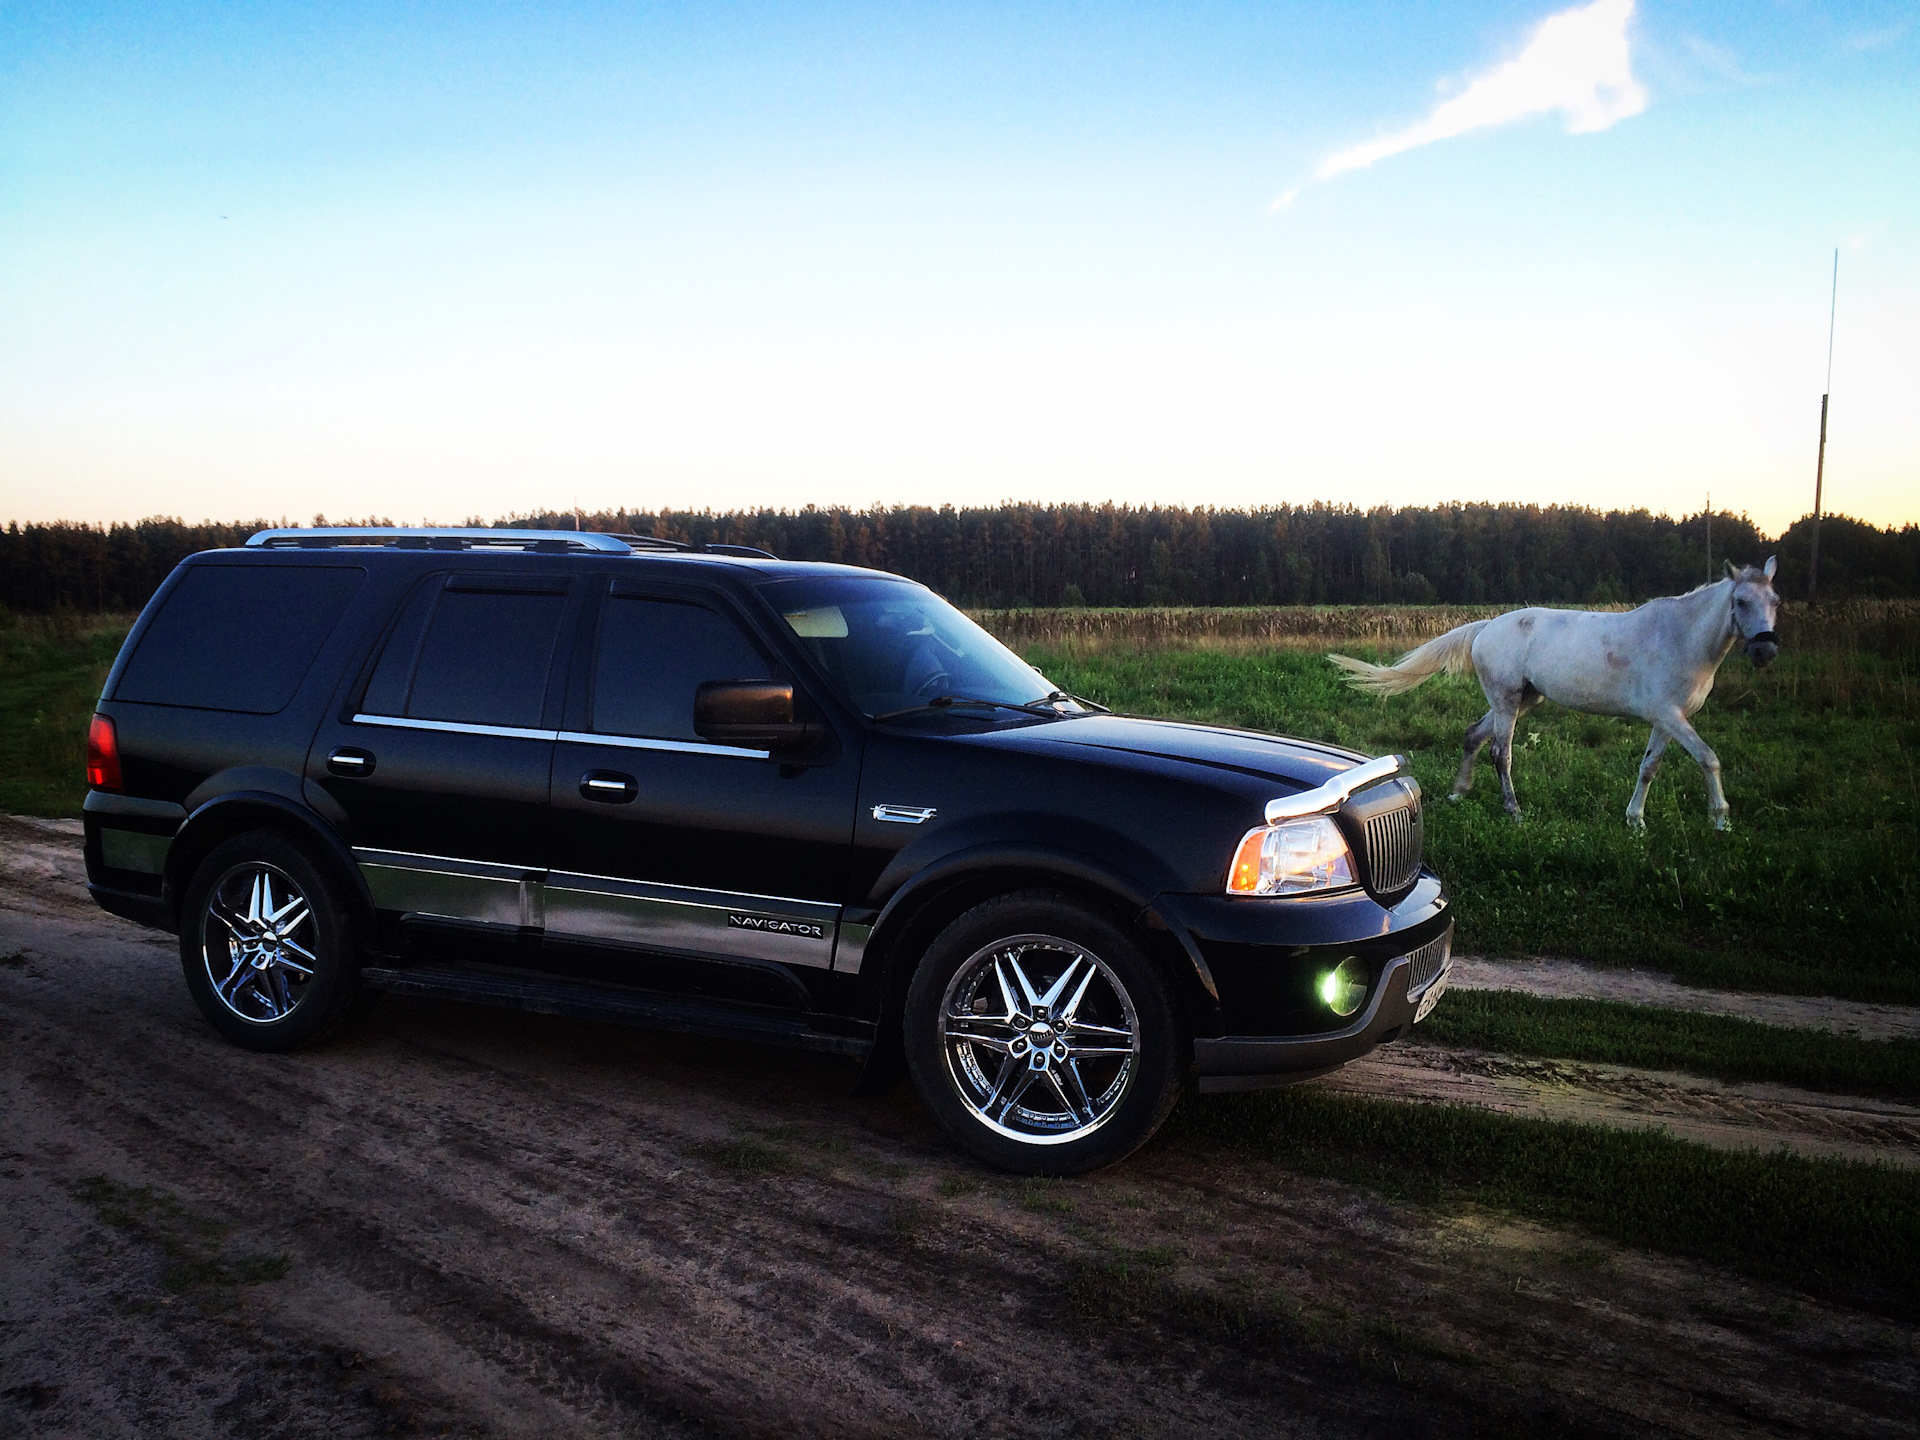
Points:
1709	537
1820	465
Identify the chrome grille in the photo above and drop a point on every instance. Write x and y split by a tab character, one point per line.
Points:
1428	963
1393	848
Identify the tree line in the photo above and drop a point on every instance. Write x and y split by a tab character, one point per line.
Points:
1018	555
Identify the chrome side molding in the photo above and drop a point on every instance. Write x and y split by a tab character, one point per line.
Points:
1335	792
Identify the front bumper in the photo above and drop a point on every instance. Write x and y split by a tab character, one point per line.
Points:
1261	960
1254	1062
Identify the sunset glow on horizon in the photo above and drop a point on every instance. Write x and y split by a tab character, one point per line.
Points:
482	260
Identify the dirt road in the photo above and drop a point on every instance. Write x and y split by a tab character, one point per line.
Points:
458	1221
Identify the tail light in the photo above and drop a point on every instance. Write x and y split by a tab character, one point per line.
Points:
103	755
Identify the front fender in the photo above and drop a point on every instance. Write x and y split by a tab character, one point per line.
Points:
937	891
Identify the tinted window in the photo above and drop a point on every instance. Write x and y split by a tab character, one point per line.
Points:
653	655
387	690
237	637
484	659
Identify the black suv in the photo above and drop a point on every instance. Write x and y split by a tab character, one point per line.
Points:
709	791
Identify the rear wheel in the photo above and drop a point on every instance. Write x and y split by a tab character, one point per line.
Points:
1042	1037
266	944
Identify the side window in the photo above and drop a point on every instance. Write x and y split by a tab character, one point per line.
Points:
652	656
476	656
237	637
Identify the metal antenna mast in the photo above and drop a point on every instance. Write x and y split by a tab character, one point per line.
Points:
1820	466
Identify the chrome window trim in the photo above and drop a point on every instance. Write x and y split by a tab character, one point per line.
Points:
640	742
456	727
1335	792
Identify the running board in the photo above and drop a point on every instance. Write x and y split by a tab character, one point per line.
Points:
614	1005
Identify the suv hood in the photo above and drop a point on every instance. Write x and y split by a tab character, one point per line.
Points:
1247	752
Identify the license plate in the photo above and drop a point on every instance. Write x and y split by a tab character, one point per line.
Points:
1432	997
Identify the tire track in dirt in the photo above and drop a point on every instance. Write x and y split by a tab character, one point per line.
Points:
532	1226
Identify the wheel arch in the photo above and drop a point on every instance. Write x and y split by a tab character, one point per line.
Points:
933	899
237	812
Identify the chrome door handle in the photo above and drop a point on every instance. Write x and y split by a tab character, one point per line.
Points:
350	762
609	787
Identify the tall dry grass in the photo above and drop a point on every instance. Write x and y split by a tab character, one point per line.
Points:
1890	628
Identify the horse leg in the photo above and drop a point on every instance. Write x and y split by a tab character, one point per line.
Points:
1503	759
1477	736
1691	742
1657	744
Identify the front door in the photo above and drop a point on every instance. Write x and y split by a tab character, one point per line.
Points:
443	765
683	864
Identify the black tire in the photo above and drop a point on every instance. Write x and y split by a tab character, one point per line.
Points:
259	964
1101	1096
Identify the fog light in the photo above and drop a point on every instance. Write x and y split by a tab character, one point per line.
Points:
1344	986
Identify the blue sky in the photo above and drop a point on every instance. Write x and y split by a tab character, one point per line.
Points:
436	261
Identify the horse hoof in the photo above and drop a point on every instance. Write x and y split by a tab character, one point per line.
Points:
1637	824
1721	822
1455	798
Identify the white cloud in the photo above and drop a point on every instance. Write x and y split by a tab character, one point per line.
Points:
1874	39
1576	63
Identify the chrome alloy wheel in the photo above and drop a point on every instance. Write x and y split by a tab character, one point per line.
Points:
256	937
1040	1039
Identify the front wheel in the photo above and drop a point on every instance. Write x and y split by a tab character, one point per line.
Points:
1042	1037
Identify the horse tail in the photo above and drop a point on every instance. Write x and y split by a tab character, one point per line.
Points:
1451	652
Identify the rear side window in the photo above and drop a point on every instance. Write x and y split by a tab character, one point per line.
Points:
471	655
237	637
653	655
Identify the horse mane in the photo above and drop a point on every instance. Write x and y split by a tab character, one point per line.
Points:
1708	585
1746	573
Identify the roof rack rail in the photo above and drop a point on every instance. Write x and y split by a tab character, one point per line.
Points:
323	537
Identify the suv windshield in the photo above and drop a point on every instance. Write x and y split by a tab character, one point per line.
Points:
893	645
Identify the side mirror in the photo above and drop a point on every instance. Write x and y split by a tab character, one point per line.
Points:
753	714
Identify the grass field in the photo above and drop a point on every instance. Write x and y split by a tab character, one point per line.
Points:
51	670
1815	890
1606	1032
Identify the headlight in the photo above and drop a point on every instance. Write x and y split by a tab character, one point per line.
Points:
1291	858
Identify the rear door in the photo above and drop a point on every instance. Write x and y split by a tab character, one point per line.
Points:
684	864
442	765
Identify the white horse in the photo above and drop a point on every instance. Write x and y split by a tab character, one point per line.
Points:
1655	664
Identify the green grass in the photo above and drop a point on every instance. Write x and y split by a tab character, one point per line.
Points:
1837	1228
51	671
1816	889
1607	1032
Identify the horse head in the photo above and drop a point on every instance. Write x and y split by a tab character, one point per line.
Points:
1755	608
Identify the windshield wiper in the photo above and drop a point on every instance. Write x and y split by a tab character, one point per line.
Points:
1093	705
947	702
